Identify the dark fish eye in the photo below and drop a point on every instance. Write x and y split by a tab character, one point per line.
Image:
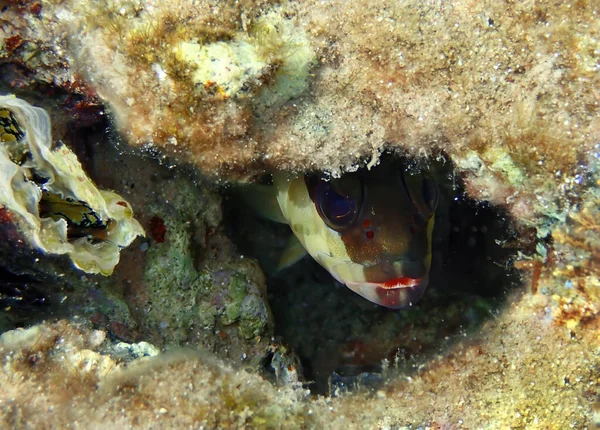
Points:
423	192
335	206
430	193
337	201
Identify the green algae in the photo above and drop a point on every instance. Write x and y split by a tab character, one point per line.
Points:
245	308
170	276
206	314
254	317
237	293
186	297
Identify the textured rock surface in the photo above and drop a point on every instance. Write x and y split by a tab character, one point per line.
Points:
539	376
415	76
67	373
506	92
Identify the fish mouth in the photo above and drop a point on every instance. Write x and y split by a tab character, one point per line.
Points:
397	293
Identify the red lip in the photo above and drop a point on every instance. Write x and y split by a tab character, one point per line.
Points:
400	282
396	293
400	292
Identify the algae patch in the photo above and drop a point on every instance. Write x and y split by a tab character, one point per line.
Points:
271	61
56	207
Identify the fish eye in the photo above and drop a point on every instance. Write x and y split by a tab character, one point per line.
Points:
338	201
423	192
430	193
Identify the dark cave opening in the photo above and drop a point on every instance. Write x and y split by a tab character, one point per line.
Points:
344	341
341	339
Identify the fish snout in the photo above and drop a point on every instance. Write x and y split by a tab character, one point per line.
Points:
397	293
396	285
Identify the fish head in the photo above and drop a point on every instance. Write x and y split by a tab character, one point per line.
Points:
372	230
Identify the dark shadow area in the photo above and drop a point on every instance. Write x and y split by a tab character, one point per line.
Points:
345	341
20	291
28	293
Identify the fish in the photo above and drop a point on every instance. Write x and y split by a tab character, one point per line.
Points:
370	229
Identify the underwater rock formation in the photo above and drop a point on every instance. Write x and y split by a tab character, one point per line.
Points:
99	385
505	95
404	75
506	92
538	377
182	284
